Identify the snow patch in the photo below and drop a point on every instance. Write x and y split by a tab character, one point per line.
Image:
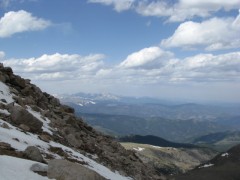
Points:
206	165
4	111
158	147
29	139
225	155
138	149
5	94
92	102
16	168
24	139
45	121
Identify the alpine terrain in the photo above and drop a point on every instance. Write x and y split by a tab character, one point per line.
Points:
41	138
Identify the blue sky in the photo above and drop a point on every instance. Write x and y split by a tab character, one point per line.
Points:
183	49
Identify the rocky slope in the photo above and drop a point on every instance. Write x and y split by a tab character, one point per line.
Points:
225	166
34	125
169	160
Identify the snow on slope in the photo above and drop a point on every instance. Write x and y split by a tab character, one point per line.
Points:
29	139
16	168
5	93
45	121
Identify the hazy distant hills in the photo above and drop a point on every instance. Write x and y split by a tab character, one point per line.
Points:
220	140
173	130
146	107
174	121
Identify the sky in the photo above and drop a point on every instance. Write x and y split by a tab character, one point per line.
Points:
169	49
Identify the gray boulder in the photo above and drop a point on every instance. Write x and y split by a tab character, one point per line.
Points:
33	153
18	81
65	170
19	115
39	167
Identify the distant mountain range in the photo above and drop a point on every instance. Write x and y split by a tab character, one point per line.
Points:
174	121
173	130
146	107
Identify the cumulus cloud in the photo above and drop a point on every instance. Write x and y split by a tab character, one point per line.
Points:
214	34
20	21
206	74
181	10
187	9
118	5
154	8
207	67
210	4
57	66
199	68
146	58
149	66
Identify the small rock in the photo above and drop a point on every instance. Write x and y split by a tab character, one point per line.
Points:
3	100
24	127
45	137
38	168
5	125
33	153
4	145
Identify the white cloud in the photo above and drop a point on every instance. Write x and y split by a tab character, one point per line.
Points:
144	67
181	10
155	8
146	58
207	67
2	54
57	66
210	4
119	5
20	21
214	34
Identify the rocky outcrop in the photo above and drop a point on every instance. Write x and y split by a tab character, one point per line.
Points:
33	153
38	168
19	116
62	169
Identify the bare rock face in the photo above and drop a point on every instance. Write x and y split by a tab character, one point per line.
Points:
63	169
19	115
33	153
18	81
